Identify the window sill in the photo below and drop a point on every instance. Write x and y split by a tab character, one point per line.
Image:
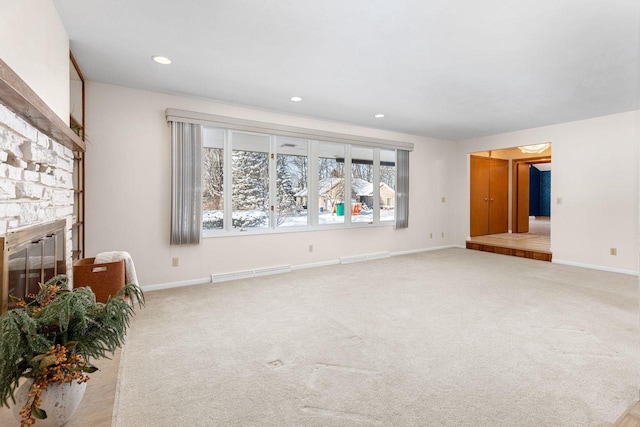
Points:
283	230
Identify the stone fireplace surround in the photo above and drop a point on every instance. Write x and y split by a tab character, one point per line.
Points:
36	181
36	176
36	162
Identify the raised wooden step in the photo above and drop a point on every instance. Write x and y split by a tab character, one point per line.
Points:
523	253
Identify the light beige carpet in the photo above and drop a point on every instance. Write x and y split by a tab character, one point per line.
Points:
445	338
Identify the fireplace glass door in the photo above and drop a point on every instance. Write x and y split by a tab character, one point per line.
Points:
33	262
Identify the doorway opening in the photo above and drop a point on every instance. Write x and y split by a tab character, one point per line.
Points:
510	201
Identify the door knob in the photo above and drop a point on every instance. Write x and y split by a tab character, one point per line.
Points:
486	198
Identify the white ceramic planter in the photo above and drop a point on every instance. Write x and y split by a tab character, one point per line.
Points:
58	400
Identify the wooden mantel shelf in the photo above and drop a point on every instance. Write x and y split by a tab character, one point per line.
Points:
16	95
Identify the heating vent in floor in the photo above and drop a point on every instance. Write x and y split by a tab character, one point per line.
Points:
250	273
367	257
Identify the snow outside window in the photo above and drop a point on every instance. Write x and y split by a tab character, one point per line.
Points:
213	179
331	200
292	180
268	183
387	185
362	185
250	180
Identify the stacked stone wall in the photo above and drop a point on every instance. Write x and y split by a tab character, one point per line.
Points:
36	178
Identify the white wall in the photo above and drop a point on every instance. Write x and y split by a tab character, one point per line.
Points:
128	193
34	43
595	172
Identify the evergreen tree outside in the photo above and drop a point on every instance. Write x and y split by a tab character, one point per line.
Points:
286	202
250	188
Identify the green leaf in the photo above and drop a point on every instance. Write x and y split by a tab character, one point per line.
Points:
38	358
72	316
71	345
47	361
38	413
89	369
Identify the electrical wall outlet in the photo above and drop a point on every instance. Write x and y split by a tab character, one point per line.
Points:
443	234
175	262
443	199
614	251
559	200
431	235
310	248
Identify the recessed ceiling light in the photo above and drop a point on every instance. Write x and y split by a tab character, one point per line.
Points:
161	60
295	99
379	116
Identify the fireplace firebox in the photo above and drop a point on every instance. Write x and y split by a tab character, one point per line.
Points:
29	257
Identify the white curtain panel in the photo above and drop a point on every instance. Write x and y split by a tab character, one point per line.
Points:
186	183
402	195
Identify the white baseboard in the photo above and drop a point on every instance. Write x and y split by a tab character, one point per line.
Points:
246	274
416	251
315	265
223	277
364	257
149	288
595	267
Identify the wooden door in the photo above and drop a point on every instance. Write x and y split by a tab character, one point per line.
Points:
521	194
498	196
479	201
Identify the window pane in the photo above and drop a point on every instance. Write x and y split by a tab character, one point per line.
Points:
212	179
361	184
250	169
387	185
331	183
292	177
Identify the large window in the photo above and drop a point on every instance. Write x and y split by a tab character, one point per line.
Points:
255	182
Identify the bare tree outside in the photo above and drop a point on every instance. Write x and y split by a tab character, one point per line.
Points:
213	179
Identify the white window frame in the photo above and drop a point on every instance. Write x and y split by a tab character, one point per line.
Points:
274	177
312	192
314	137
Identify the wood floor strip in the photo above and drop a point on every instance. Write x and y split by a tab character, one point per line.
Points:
630	418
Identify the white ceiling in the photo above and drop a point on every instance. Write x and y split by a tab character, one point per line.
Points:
543	166
450	69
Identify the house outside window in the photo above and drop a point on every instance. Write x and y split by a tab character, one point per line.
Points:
362	185
254	182
330	195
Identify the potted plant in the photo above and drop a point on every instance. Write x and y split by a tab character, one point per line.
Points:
52	338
